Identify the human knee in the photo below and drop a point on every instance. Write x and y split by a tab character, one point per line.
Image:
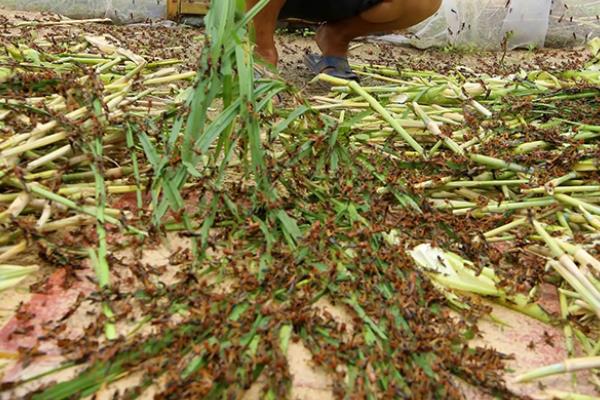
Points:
427	8
418	10
413	11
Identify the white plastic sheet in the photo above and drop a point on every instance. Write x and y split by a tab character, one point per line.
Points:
527	23
522	23
118	10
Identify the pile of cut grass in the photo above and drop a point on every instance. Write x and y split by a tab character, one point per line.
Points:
328	199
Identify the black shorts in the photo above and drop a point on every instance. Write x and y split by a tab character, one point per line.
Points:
325	10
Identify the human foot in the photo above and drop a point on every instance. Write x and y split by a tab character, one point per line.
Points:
331	42
331	65
267	53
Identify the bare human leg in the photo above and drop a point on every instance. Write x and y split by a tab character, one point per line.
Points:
333	38
265	24
391	15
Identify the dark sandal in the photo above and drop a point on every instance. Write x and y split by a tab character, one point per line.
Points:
331	65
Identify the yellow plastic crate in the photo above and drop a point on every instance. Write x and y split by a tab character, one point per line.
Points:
177	8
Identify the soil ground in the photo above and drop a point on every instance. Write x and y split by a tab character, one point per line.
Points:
525	339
